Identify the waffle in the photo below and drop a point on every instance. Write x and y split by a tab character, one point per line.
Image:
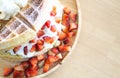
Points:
23	27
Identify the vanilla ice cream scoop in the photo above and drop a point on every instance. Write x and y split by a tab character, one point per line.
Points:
9	8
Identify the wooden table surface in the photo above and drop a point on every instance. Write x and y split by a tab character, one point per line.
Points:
97	53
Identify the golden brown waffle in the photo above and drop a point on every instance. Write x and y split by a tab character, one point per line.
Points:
21	28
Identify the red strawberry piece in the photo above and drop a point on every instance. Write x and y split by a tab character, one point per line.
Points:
19	68
59	56
33	61
73	17
39	47
40	57
71	34
25	64
47	24
34	48
41	42
46	67
53	12
65	29
66	20
48	39
31	72
67	10
43	27
25	50
58	19
73	26
68	41
53	28
18	74
7	71
32	41
62	35
40	33
16	49
55	50
52	59
64	48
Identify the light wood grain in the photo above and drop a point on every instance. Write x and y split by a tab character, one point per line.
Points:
97	53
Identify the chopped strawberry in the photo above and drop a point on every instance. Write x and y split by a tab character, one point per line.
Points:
47	24
18	74
25	64
19	68
73	17
16	49
34	48
55	50
73	26
66	20
7	71
52	59
41	42
31	72
39	47
25	50
59	56
64	48
68	41
50	53
40	33
53	12
46	67
53	28
67	10
33	61
65	29
43	27
32	41
40	57
71	34
48	39
62	35
58	19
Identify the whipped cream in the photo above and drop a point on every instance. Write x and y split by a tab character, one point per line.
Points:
9	8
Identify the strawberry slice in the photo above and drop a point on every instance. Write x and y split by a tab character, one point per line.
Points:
53	12
73	26
25	64
7	71
34	48
64	48
43	27
62	35
41	42
25	50
18	74
66	20
68	41
55	50
53	28
31	72
16	49
39	47
48	39
59	56
47	24
33	61
40	57
32	41
46	67
58	19
40	33
73	17
71	34
67	10
52	59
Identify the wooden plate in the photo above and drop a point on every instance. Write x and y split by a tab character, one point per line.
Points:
72	4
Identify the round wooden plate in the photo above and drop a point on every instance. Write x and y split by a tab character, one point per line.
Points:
72	4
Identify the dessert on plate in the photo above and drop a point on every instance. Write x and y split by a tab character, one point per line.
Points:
39	33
